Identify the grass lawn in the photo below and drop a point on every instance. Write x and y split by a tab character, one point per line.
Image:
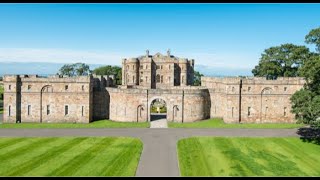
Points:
218	123
95	124
69	156
226	156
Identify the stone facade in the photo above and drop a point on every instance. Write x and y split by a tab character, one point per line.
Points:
144	79
252	100
157	71
55	99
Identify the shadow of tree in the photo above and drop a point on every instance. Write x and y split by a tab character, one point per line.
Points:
310	134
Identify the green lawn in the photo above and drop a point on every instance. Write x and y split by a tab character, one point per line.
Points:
69	156
218	123
95	124
226	156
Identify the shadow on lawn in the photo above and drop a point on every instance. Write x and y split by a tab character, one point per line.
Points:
310	134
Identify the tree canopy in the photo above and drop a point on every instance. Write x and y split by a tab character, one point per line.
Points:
314	38
76	69
197	78
110	70
281	61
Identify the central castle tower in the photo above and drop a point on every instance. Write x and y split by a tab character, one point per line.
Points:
157	71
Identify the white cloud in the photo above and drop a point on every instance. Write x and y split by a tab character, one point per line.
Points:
58	56
223	60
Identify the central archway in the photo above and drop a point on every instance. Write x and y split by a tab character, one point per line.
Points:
158	109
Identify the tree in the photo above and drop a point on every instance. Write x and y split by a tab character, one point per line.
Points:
110	70
306	102
77	69
197	78
314	38
281	61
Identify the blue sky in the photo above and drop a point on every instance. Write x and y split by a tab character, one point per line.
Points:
215	35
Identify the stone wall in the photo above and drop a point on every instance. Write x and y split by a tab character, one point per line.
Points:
183	105
258	100
36	99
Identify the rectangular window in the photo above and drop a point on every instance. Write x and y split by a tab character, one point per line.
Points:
249	88
232	111
29	87
285	111
141	66
82	87
29	109
48	109
9	111
66	87
285	88
249	111
82	110
158	67
66	110
9	87
266	112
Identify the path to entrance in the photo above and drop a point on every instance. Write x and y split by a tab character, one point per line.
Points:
159	155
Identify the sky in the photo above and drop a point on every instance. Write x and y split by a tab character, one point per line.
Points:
215	35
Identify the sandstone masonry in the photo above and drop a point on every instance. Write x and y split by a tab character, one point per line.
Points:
30	98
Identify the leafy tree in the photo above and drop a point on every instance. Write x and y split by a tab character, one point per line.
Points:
197	78
77	69
1	92
314	38
281	61
110	70
306	102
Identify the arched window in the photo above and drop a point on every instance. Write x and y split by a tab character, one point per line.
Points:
158	78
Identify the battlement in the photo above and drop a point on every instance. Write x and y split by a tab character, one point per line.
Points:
54	78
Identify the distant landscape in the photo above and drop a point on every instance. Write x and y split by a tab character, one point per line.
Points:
45	68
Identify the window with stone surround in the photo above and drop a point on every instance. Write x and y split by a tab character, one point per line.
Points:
66	110
29	109
158	78
9	87
161	79
82	87
249	88
285	88
232	111
66	87
285	111
9	112
141	66
82	110
158	67
48	109
29	87
182	79
249	111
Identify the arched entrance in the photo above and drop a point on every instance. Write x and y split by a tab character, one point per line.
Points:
158	109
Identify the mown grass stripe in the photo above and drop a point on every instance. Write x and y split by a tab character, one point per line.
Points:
9	142
25	149
70	167
121	160
52	152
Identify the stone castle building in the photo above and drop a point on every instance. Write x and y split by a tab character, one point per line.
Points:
147	79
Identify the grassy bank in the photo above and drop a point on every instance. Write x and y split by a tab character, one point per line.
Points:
95	124
218	123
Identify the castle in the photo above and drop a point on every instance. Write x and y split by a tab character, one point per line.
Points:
146	79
